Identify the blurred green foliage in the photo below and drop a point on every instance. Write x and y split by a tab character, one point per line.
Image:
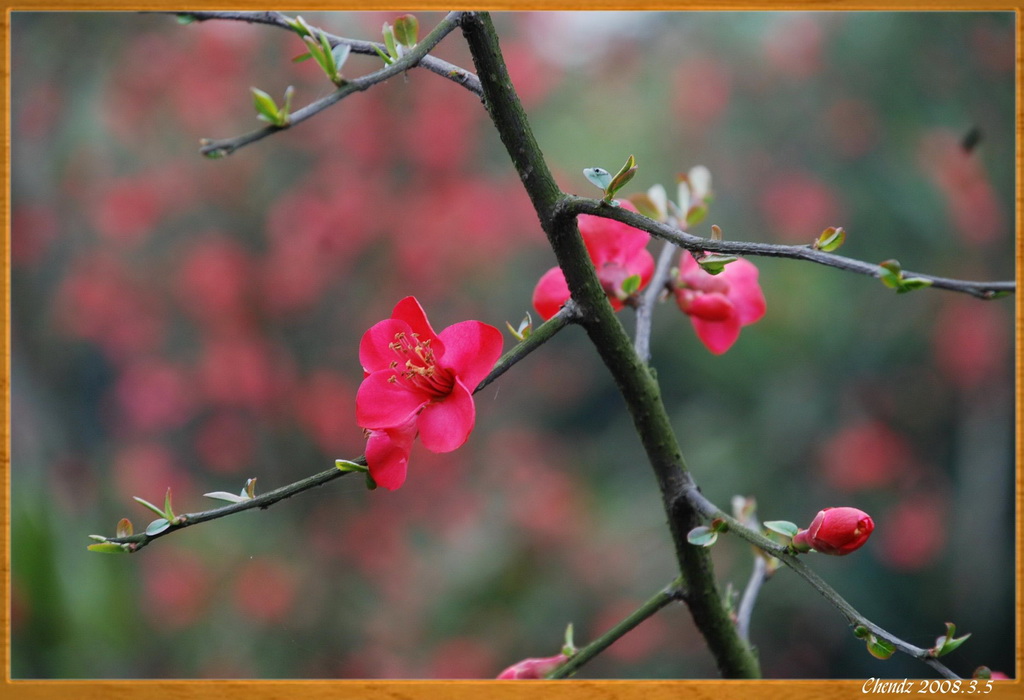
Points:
187	323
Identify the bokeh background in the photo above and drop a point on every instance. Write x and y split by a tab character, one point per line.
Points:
186	323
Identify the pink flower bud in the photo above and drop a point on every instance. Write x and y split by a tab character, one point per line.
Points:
533	668
836	531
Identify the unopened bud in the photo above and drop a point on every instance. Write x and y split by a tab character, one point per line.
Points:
836	531
533	668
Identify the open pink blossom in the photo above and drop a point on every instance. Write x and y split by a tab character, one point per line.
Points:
533	668
419	382
719	305
618	252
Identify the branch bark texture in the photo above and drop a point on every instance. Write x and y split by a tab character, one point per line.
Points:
735	659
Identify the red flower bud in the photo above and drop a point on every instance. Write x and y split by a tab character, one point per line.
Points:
533	668
836	531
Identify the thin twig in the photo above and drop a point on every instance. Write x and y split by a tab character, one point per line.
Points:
758	576
580	205
670	593
645	311
223	147
540	335
746	608
276	19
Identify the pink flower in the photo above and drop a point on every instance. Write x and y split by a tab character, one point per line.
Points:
618	252
719	305
533	668
836	531
419	382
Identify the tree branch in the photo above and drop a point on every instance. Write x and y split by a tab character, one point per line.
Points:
581	205
711	512
538	337
645	311
630	373
223	147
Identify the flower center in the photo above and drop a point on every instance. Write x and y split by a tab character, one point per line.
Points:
418	367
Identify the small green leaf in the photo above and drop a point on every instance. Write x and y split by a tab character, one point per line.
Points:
387	59
620	181
108	548
389	40
185	19
300	26
525	328
861	632
157	526
702	536
341	53
830	239
720	525
997	294
890	273
630	285
909	284
714	263
168	513
952	645
286	110
407	30
599	176
370	483
783	527
225	496
696	214
630	164
569	647
124	528
266	108
347	466
149	505
302	57
625	174
879	648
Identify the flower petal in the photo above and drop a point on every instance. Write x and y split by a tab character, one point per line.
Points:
410	311
609	240
550	293
745	291
387	455
717	336
382	403
374	351
445	425
470	350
